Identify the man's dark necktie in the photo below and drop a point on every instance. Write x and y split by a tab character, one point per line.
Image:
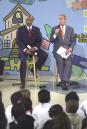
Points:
29	32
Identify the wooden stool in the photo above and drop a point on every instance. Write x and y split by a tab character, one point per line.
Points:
31	62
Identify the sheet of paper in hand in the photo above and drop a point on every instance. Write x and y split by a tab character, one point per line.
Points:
62	52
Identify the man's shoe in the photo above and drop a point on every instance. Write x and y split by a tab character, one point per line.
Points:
59	84
65	88
64	85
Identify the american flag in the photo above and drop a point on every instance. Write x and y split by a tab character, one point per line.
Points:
45	44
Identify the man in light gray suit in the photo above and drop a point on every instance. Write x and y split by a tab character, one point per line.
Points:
63	35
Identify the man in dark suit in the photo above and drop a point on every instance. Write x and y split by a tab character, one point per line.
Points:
29	40
63	35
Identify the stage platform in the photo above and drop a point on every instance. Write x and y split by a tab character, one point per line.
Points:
57	94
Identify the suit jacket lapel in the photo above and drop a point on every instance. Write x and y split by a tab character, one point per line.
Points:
66	34
32	31
59	34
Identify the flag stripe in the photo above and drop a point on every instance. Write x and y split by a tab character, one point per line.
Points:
45	44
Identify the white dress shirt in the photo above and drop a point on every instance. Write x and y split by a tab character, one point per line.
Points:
29	27
82	111
8	114
40	112
63	27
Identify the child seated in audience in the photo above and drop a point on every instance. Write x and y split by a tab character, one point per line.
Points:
3	120
21	120
72	104
40	112
53	113
59	119
15	98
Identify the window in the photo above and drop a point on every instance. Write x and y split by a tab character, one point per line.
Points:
17	17
7	43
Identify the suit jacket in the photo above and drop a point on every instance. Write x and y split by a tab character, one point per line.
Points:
69	38
23	39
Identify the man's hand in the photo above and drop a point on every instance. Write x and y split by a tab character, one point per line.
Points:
56	31
27	52
68	50
32	50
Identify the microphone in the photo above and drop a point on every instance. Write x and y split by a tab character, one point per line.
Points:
57	30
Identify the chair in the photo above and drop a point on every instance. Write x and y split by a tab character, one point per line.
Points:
31	62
